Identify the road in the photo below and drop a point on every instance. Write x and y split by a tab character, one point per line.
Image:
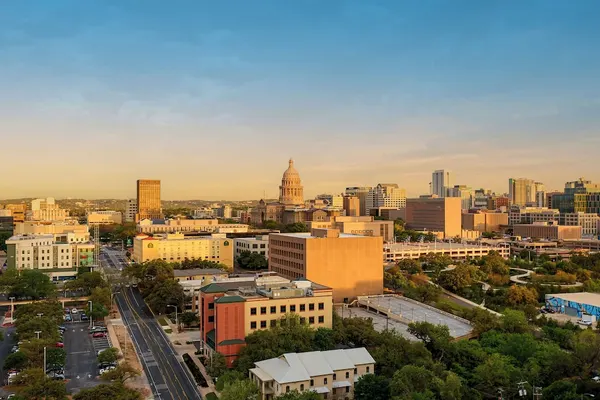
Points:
527	272
5	346
169	377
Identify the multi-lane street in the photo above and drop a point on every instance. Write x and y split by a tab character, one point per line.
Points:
168	376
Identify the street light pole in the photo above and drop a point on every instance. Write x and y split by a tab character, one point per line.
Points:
91	313
12	308
44	360
38	334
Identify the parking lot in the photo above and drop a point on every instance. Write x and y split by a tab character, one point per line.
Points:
82	349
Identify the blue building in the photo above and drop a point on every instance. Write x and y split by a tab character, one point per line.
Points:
575	304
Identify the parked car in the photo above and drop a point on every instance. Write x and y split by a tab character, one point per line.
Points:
585	323
74	311
62	328
60	344
68	318
99	334
98	329
14	349
107	364
106	369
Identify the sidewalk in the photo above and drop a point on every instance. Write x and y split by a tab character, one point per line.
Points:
183	348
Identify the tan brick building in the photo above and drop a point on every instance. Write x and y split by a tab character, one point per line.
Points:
547	230
484	221
437	214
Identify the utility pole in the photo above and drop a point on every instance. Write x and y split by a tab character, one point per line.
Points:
521	388
537	393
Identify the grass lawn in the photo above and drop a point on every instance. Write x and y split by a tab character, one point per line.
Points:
211	396
163	321
169	330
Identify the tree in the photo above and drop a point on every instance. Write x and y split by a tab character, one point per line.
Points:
240	390
459	278
452	387
17	360
26	328
514	321
121	373
496	371
104	391
217	365
188	318
411	379
521	295
33	283
164	293
50	308
3	237
435	337
56	357
372	387
229	377
586	348
109	355
87	281
295	227
561	390
200	263
38	386
252	261
324	339
410	266
295	395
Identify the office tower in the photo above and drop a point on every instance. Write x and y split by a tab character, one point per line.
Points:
387	195
349	264
465	194
148	200
131	210
540	195
579	196
521	191
361	192
441	181
352	206
435	215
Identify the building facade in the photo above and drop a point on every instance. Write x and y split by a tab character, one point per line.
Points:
332	374
529	215
521	191
579	196
365	226
37	227
361	192
587	221
547	230
18	211
441	181
435	214
466	195
257	244
484	221
148	200
189	225
349	264
231	309
57	255
394	252
385	195
351	206
104	218
46	210
131	210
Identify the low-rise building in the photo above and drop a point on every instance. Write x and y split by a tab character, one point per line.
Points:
46	210
37	227
17	211
57	255
436	214
529	215
104	218
231	309
131	210
547	230
188	225
199	274
366	226
484	221
331	373
257	244
394	252
587	221
350	264
176	247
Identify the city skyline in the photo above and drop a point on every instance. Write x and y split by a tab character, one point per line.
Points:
212	99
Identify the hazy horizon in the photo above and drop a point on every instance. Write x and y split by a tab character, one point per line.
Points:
213	98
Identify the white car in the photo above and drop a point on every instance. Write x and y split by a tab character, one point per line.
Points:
586	323
105	370
74	311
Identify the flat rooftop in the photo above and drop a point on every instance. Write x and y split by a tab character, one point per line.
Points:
380	322
308	235
197	271
418	246
593	299
405	311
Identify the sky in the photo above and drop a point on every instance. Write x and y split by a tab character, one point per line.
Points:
214	97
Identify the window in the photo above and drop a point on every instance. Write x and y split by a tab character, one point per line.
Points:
347	389
347	375
368	369
282	309
273	309
302	320
321	306
302	387
312	382
287	389
211	306
263	310
263	324
302	307
324	381
334	377
293	308
273	323
321	319
253	311
311	307
211	318
253	325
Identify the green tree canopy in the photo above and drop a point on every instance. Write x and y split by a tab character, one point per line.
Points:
115	391
34	284
38	386
295	395
243	389
252	261
189	318
122	373
372	387
109	355
17	360
165	293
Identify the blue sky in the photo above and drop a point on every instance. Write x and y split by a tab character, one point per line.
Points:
214	97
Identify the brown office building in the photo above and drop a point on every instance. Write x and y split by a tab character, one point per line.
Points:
352	206
484	221
148	200
18	211
349	264
435	214
547	230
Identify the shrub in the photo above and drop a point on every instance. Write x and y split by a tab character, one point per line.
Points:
200	380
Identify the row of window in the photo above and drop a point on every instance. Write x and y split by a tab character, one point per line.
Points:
289	245
288	254
273	322
283	308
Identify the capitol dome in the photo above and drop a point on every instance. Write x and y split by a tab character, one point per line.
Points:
291	191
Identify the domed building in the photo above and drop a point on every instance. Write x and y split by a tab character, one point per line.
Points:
291	191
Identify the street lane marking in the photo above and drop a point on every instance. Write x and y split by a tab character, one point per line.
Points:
78	352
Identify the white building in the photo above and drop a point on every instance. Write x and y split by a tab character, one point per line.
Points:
131	210
588	221
46	210
441	181
104	217
331	374
394	252
189	225
204	213
529	215
57	255
258	244
387	195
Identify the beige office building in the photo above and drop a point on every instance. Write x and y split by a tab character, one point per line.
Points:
175	247
366	226
394	252
46	210
189	225
104	218
349	264
130	210
361	192
547	230
332	374
352	206
386	195
484	221
37	227
17	211
148	200
436	214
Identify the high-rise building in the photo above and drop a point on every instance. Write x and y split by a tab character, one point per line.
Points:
352	206
441	181
361	192
131	210
465	194
349	264
540	195
18	211
435	214
148	200
386	195
579	196
522	191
